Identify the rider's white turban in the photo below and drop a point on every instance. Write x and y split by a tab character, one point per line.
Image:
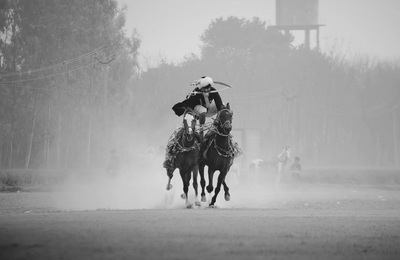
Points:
203	82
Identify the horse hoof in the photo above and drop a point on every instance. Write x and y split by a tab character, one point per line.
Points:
227	197
203	199
169	186
183	196
189	206
197	203
212	206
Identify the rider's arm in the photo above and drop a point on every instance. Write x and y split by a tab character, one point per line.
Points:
179	108
190	101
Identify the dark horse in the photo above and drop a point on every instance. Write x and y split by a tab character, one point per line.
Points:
218	154
186	158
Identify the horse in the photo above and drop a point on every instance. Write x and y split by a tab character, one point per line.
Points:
186	159
217	152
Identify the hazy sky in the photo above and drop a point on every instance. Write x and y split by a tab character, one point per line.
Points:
172	28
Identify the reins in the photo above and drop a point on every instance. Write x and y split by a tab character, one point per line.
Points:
215	122
221	151
215	130
183	148
206	126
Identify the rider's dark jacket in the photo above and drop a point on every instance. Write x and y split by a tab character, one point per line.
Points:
197	98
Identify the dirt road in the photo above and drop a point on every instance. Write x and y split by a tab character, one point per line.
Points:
329	223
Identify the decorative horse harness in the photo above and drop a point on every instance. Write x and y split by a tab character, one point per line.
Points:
233	149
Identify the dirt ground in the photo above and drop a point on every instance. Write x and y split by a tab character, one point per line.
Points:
297	222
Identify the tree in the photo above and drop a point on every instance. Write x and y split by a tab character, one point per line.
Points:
53	56
237	36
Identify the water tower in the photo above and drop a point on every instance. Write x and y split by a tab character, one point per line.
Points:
298	15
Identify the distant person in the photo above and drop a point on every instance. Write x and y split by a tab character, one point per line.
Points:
113	164
281	161
295	169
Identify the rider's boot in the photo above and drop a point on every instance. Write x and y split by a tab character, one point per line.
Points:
202	120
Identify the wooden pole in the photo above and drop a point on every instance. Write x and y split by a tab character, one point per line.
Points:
106	117
395	140
28	157
307	38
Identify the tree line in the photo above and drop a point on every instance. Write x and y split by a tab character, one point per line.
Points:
331	109
72	89
65	67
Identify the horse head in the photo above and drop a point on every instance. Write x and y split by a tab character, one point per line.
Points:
224	120
189	131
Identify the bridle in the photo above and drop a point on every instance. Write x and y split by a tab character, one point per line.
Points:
188	134
222	126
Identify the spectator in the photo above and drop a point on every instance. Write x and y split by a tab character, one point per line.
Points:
295	168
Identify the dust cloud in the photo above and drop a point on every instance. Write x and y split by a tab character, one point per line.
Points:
139	187
141	184
144	187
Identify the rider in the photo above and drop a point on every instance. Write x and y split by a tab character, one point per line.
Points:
204	100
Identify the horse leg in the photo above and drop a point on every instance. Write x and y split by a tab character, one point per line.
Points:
170	174
202	182
195	186
202	120
221	178
226	189
210	187
185	179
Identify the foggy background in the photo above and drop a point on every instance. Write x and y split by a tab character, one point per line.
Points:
72	90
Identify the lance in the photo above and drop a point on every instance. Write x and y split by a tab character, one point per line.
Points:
213	91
